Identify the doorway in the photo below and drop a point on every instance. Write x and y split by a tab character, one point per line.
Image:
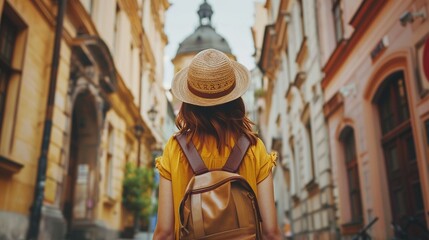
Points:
80	185
401	165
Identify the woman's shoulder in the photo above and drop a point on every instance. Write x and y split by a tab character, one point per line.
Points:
259	145
172	145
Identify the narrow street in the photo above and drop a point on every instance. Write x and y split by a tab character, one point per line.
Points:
339	92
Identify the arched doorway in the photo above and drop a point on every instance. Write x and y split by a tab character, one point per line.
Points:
400	157
79	193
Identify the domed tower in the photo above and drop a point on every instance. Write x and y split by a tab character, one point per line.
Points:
204	37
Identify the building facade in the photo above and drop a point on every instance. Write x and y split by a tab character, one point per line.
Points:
374	56
251	97
109	52
293	122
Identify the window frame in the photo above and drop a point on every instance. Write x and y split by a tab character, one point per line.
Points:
338	20
12	84
350	158
397	142
108	185
8	38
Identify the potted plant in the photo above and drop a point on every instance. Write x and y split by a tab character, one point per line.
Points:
138	185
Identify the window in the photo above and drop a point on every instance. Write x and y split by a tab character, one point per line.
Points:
310	140
338	23
352	169
109	162
427	131
8	34
116	36
393	106
399	149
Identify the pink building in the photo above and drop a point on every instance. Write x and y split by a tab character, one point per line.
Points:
377	110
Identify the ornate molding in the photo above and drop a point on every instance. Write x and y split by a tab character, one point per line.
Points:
97	52
333	105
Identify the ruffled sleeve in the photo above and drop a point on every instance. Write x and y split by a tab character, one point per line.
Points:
267	161
162	163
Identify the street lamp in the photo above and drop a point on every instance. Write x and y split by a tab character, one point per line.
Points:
152	113
138	132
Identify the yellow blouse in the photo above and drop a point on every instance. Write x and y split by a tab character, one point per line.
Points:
172	165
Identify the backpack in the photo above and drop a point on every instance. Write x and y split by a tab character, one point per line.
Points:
218	204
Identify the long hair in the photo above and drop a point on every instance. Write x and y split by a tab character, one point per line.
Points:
221	121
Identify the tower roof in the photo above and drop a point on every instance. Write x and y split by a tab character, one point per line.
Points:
205	36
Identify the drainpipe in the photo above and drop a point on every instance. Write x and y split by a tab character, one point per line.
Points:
139	125
36	208
138	128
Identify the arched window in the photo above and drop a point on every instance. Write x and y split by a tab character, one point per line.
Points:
399	148
347	138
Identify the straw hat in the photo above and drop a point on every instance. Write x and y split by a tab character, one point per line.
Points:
211	79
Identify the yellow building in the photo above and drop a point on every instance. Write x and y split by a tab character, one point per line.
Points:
70	119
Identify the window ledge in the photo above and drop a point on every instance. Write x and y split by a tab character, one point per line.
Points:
302	52
9	166
109	200
351	227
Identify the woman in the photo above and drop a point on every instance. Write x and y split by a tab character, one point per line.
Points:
213	117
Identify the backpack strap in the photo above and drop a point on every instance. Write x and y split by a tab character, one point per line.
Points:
237	154
191	153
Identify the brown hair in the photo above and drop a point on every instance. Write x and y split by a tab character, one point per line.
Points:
221	121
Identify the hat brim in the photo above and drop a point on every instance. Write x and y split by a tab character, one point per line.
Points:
181	91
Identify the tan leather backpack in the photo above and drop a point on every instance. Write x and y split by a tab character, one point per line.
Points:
218	204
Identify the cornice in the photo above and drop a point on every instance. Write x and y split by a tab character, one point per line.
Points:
362	20
81	19
166	4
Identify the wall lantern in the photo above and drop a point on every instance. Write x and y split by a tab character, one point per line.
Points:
152	113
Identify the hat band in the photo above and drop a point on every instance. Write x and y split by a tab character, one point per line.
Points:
211	95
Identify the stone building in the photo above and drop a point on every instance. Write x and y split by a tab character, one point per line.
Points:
73	113
374	56
292	120
251	97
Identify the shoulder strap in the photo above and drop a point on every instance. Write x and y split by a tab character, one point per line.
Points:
192	155
237	154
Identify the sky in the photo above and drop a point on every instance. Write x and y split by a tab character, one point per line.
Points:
231	18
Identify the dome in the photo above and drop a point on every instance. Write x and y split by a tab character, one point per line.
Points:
205	36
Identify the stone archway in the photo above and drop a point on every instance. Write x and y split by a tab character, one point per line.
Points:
79	185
